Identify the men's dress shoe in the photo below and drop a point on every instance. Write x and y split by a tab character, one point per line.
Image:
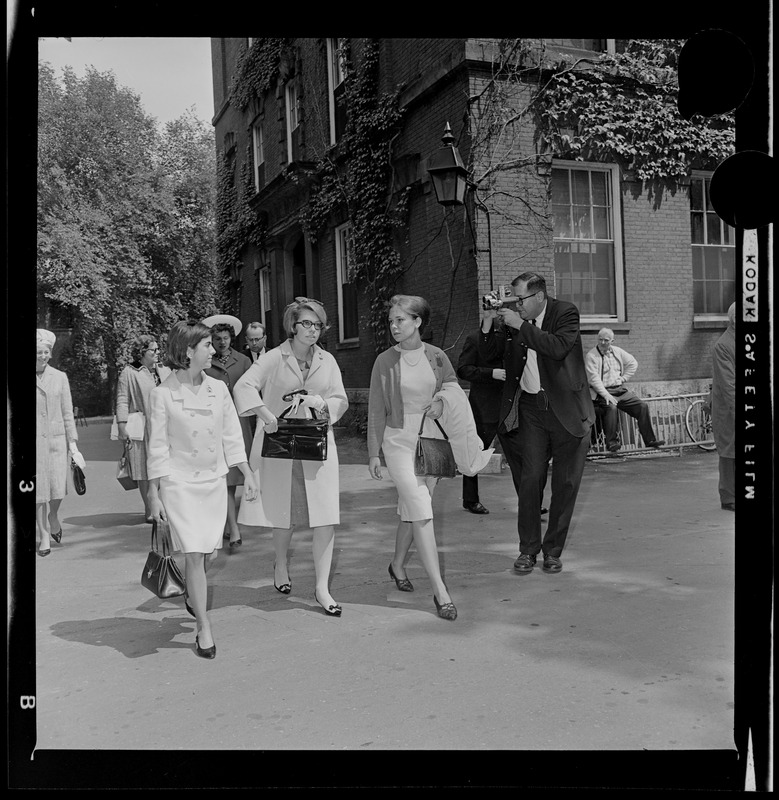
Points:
524	563
57	536
657	443
613	448
552	564
205	652
403	584
728	506
475	508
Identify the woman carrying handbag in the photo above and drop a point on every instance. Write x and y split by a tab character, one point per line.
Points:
296	493
194	438
404	381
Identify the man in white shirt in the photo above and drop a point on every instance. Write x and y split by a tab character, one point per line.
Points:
255	340
608	369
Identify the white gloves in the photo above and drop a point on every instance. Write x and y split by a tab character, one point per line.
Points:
77	457
308	401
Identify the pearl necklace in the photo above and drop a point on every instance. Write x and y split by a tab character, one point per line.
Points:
421	352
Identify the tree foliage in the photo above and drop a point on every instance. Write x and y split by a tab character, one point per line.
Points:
125	220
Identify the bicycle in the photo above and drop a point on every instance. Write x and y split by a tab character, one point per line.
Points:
697	421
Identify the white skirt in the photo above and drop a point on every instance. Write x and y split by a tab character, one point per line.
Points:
415	493
196	513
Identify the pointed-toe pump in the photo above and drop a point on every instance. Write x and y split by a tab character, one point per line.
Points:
445	611
205	652
403	584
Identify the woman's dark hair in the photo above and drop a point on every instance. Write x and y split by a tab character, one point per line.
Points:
139	345
292	314
221	327
414	305
183	335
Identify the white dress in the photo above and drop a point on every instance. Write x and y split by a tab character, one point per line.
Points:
417	385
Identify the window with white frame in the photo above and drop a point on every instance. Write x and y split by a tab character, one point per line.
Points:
258	153
713	252
587	236
335	81
348	322
250	41
293	120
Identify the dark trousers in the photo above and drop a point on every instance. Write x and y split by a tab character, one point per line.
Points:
486	433
539	437
634	407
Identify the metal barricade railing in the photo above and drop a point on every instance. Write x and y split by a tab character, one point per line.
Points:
668	420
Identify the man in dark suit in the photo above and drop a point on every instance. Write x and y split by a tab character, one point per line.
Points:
546	412
486	378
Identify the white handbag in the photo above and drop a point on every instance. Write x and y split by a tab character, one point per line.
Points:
136	425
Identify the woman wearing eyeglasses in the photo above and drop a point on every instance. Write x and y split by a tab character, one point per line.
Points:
133	393
293	493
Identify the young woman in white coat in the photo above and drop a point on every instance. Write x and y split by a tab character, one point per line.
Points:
404	380
296	494
194	438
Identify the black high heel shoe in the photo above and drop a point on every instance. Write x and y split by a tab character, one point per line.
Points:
43	553
57	536
205	652
445	611
285	588
188	606
403	584
237	543
333	610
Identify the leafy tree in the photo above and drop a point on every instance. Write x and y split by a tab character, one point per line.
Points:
125	231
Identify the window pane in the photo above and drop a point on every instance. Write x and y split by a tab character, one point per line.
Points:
712	295
697	263
697	297
582	222
728	237
562	221
560	192
728	259
696	194
603	261
562	258
711	271
600	194
580	186
713	230
600	221
602	301
707	192
696	225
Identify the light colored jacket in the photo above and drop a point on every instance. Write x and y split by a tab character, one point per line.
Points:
274	374
193	437
593	363
55	430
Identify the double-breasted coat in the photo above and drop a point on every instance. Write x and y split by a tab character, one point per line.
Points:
273	375
229	373
55	430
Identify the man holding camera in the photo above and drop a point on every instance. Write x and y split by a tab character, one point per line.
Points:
546	412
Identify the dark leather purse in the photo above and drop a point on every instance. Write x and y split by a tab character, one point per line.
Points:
305	439
434	457
161	574
79	480
123	472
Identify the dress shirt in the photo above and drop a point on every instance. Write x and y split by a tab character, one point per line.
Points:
531	381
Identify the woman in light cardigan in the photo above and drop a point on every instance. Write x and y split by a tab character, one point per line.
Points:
404	380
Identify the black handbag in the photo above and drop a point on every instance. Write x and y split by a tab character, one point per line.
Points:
123	472
434	457
305	439
161	574
79	480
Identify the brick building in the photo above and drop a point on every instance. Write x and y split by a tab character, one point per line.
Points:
659	269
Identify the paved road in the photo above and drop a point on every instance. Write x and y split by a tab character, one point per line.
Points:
630	648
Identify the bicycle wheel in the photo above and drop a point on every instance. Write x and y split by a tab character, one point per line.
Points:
698	423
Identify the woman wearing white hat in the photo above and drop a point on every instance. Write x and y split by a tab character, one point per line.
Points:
55	437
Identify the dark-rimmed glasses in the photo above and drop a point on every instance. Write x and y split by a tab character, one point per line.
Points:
307	323
521	300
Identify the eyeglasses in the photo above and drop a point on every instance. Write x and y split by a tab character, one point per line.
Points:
153	350
306	323
255	339
521	300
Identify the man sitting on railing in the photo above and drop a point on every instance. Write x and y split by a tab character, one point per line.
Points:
608	369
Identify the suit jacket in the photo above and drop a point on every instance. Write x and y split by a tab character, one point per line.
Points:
193	437
486	392
558	346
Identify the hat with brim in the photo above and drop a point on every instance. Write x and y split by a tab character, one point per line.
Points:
224	319
46	338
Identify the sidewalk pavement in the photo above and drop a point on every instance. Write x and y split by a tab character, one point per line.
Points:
630	648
